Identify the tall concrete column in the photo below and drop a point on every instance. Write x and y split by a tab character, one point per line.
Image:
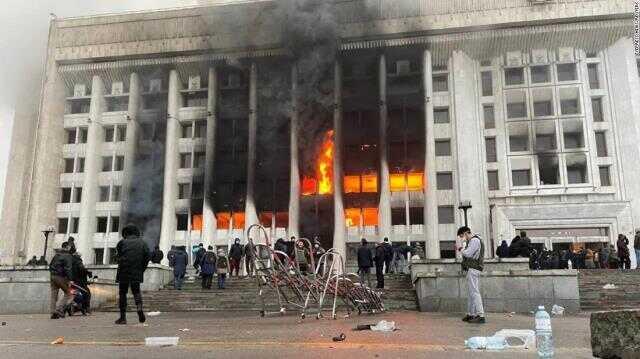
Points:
625	92
294	188
251	215
430	189
91	169
339	229
384	208
209	219
471	171
171	155
135	102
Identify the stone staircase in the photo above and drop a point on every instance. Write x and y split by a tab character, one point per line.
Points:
593	297
241	295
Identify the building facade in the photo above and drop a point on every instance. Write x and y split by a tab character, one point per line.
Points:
189	122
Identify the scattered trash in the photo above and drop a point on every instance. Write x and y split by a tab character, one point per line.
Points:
4	323
145	324
489	343
510	314
161	341
557	310
340	338
185	330
360	327
59	340
609	286
384	326
153	314
518	338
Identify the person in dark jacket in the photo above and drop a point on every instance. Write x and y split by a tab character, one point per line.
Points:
61	274
171	255
636	247
179	265
250	256
133	258
235	253
72	244
623	252
388	255
380	259
199	253
80	278
365	262
503	250
222	268
157	256
281	246
514	247
208	267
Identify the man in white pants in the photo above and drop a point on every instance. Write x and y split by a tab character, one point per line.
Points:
472	263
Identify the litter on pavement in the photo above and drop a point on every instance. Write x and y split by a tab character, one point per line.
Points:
153	314
59	340
557	310
609	286
161	341
340	338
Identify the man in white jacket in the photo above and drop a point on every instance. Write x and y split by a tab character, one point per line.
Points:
472	263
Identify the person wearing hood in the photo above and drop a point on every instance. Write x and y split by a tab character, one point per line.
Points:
222	268
133	256
235	253
198	254
503	250
365	262
208	267
157	256
179	264
281	246
472	263
61	275
380	260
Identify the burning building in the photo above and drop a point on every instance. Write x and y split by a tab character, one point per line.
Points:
342	119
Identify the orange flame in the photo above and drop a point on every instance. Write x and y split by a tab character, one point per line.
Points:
324	170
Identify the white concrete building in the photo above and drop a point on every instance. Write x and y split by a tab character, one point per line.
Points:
181	121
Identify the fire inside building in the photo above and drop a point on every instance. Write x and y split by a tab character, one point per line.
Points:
338	119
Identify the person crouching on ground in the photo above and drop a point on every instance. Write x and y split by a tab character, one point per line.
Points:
61	274
472	263
236	257
179	263
133	258
222	268
208	267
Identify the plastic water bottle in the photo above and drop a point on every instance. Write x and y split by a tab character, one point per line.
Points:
544	336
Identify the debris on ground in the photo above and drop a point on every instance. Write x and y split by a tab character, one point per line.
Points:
4	323
510	314
609	286
360	327
161	341
340	338
518	338
489	343
557	310
59	340
384	326
153	314
185	330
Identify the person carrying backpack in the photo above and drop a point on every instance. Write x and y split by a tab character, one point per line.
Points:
222	268
208	267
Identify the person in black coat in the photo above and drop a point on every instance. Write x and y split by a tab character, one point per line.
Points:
133	258
503	250
61	275
179	264
80	278
388	255
236	254
157	256
198	257
365	262
380	259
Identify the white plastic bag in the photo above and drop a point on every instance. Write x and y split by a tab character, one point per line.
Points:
161	341
609	286
557	310
518	338
153	314
384	326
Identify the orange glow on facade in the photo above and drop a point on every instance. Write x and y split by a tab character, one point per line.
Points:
352	217
370	216
196	222
223	219
396	182
323	181
415	181
370	183
351	184
266	218
238	220
410	181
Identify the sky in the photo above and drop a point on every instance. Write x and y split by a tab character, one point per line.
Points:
24	26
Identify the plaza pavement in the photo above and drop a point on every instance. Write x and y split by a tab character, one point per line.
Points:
246	335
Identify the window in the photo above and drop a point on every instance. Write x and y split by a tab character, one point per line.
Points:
65	195
447	249
577	168
441	115
567	72
108	133
122	133
107	164
573	134
492	179
119	166
184	190
601	144
521	171
185	160
446	215
187	130
440	83
101	225
80	167
490	149
443	147
489	117
542	102
83	135
548	169
197	190
77	195
71	135
518	137
594	81
516	104
487	83
68	165
198	159
416	215
605	176
63	225
514	76
115	193
570	101
113	256
200	129
596	107
444	180
115	224
75	224
182	221
98	255
545	132
104	193
540	74
398	216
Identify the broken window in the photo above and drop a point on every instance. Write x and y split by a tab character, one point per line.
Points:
577	168
182	221
398	216
548	169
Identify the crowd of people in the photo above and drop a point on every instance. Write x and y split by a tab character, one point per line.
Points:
386	257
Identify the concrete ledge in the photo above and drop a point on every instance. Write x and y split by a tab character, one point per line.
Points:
453	265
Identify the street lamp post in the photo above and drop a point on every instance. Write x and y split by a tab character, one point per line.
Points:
46	233
465	206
